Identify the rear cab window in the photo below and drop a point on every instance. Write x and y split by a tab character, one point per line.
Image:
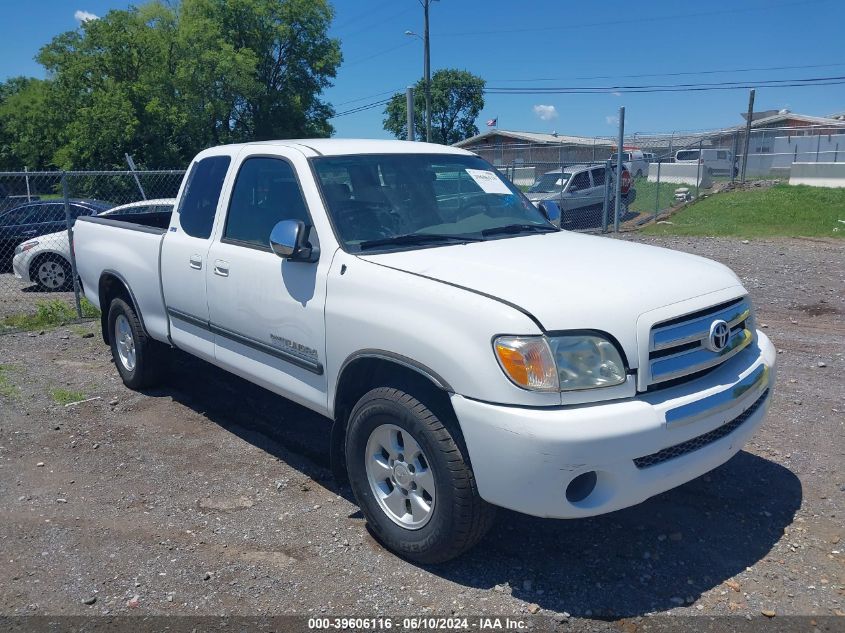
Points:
202	193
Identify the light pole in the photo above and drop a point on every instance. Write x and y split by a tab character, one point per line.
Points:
427	67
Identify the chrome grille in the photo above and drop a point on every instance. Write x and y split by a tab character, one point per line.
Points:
678	348
701	441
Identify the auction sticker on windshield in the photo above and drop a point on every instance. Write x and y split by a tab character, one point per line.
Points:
488	181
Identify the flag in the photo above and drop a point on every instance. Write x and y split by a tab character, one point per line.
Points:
492	122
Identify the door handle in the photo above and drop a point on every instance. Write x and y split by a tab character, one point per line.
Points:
196	262
221	268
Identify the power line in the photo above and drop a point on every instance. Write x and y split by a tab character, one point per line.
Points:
362	108
702	88
630	89
378	94
383	20
364	14
628	21
673	74
378	54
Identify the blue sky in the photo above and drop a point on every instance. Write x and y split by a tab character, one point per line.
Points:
563	43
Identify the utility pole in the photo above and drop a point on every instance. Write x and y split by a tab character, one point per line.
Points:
619	168
409	106
427	54
749	116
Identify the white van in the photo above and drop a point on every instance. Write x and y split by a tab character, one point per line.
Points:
718	161
634	160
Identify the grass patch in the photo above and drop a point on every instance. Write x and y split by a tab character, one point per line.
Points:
647	195
7	389
779	211
66	396
49	314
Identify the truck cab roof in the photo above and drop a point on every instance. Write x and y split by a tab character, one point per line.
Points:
342	147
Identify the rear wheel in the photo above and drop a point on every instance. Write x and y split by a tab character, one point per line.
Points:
412	479
138	358
51	273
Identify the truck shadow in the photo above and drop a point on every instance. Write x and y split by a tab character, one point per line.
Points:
659	555
655	556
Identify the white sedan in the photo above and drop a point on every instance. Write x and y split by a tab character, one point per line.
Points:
45	260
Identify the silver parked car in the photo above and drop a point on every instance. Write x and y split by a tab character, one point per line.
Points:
579	189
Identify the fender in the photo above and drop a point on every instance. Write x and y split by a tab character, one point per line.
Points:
399	359
104	309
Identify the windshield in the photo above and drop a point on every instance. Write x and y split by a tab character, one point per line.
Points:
551	182
414	200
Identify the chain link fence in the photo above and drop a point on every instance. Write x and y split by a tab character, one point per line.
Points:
38	282
662	173
667	170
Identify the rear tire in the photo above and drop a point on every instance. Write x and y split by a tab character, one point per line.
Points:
412	478
52	273
138	358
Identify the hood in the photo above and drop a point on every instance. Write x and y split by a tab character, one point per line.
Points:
541	195
570	281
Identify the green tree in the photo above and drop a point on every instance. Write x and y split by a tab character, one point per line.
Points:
27	123
164	80
295	61
457	97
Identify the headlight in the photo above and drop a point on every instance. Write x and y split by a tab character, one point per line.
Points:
586	361
560	363
22	248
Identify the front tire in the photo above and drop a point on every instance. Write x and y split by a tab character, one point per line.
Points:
52	273
137	357
412	478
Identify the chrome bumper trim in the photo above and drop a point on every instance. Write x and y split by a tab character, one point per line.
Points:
746	390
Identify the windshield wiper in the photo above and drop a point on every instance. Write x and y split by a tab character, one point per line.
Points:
416	238
518	228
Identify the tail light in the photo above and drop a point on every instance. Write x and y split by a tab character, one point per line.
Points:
626	181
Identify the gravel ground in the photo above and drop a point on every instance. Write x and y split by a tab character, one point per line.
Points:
17	297
212	496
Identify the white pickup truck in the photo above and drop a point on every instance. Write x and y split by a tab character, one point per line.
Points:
469	352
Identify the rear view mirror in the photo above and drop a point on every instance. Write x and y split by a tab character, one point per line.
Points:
550	209
288	241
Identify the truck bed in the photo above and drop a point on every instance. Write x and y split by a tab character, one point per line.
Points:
133	240
159	221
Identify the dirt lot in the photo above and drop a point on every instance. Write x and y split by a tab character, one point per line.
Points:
212	496
17	297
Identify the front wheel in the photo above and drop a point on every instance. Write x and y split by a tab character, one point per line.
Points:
51	273
137	357
412	479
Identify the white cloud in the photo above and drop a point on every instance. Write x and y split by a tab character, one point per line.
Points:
545	112
611	119
616	94
85	16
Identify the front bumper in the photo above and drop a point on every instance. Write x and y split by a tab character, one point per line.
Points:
524	459
20	266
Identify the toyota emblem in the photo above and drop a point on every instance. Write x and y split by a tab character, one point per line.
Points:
719	335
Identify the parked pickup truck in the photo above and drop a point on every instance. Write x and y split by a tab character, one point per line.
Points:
469	352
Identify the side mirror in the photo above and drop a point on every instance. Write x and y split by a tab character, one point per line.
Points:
288	241
550	209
